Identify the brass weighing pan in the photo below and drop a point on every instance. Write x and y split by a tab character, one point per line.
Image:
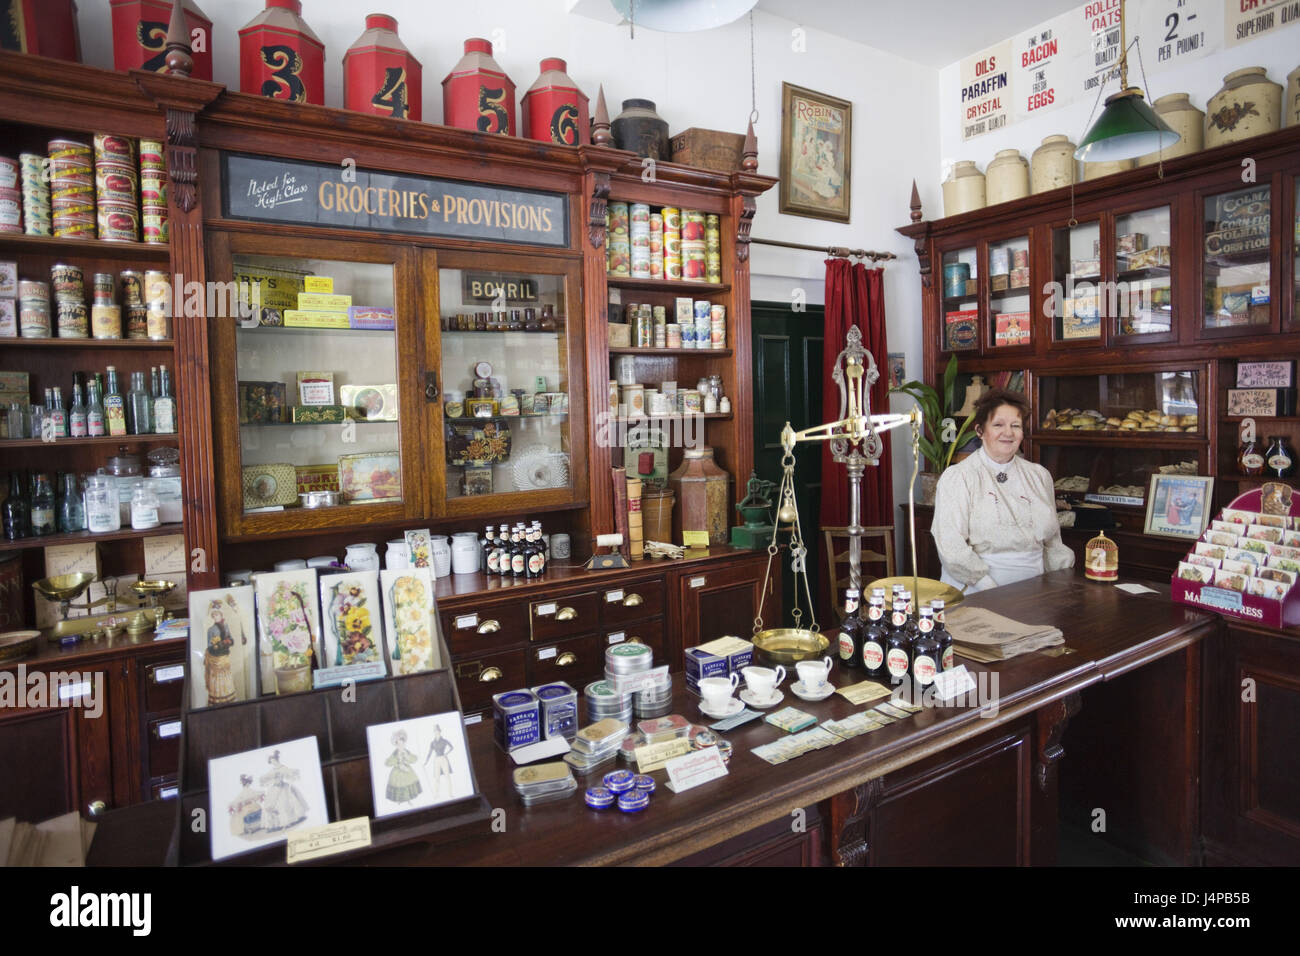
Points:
17	644
789	645
929	590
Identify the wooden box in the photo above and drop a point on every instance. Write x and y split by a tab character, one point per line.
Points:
708	149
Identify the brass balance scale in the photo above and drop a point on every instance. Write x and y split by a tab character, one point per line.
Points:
136	619
855	442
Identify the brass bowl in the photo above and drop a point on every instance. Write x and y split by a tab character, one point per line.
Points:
146	588
16	644
64	587
789	645
929	589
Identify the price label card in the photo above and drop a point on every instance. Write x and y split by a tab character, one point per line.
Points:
950	684
545	609
694	769
695	539
864	691
465	621
652	757
327	840
612	596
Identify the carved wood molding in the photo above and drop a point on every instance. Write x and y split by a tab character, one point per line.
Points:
599	203
182	158
749	206
1052	721
922	248
850	814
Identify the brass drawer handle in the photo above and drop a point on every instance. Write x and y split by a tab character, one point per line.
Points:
96	808
567	659
490	674
489	627
633	600
565	614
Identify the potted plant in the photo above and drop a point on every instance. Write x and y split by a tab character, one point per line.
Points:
941	435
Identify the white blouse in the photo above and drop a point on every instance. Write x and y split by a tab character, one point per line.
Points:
990	533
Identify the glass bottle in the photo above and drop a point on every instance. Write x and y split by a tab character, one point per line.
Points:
536	557
42	505
503	550
925	651
114	404
58	413
873	637
103	512
516	321
1250	460
94	409
1280	460
153	381
77	413
72	511
850	631
164	405
17	514
898	644
942	635
145	504
486	544
139	407
518	563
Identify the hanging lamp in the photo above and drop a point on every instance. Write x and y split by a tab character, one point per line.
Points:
682	16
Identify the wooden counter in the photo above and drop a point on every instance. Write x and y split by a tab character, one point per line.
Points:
849	789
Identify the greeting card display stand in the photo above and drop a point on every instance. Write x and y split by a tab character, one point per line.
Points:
337	717
1251	608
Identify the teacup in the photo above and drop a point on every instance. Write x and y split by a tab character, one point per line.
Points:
813	674
717	691
763	681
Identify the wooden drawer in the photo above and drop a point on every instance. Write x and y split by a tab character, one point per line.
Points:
576	660
164	686
164	742
635	602
168	789
650	633
478	678
554	618
478	628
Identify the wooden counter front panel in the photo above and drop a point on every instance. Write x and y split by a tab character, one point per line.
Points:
39	748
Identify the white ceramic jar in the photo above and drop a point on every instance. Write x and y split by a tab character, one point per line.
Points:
440	551
464	552
1007	177
396	556
362	557
963	190
1053	165
1183	118
1291	108
1249	104
1097	170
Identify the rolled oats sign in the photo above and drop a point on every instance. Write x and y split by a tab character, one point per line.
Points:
1245	20
986	94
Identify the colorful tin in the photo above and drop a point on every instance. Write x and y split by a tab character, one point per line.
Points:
114	148
118	222
280	57
158	325
380	75
73	319
154	227
151	156
516	719
477	95
132	287
559	710
673	335
599	798
619	781
643	781
33	319
618	218
554	109
137	321
140	36
68	282
672	217
634	801
694	268
9	173
639	213
106	321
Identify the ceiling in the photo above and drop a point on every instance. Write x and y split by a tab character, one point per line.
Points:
934	33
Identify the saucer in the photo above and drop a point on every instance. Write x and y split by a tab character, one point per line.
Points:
732	708
753	701
803	693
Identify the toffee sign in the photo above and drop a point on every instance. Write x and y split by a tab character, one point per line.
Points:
265	189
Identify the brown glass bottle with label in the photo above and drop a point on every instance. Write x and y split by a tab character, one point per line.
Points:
850	641
926	653
898	645
873	639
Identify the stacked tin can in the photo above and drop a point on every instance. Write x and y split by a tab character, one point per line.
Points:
135	314
71	317
153	192
37	220
639	236
718	326
655	701
105	313
11	205
703	323
693	246
618	241
72	189
712	248
603	701
656	245
660	319
117	189
34	309
672	219
158	301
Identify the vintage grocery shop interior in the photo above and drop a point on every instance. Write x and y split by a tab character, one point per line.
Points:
404	416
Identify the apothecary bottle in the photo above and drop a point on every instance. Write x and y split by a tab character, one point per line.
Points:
17	516
1279	462
72	510
850	642
1250	460
139	407
43	516
103	513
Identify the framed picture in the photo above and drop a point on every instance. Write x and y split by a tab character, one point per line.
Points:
371	476
418	763
897	369
816	150
223	646
1178	506
259	797
288	629
352	618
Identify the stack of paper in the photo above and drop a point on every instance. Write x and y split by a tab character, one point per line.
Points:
980	635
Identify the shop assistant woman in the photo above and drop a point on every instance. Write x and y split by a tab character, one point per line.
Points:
994	512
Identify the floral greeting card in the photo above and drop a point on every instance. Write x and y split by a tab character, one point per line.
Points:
410	617
288	625
352	618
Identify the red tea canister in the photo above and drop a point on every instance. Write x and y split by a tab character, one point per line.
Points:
554	109
380	75
42	27
140	36
477	95
280	57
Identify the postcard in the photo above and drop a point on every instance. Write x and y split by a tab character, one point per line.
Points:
223	646
352	619
259	797
418	763
410	620
420	548
288	629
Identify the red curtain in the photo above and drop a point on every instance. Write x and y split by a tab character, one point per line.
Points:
855	295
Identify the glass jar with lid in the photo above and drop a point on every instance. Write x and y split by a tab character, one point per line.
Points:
103	513
144	507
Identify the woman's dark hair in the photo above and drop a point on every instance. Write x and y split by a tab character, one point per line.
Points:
994	399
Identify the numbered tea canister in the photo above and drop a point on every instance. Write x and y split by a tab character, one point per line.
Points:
106	321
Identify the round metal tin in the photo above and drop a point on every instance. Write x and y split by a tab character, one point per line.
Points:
619	781
634	801
643	781
598	798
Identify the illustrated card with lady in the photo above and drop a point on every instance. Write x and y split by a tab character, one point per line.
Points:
417	763
260	797
288	629
223	646
352	619
410	620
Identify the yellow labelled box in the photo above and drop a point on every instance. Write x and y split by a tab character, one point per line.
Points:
313	302
294	318
321	285
317	477
275	289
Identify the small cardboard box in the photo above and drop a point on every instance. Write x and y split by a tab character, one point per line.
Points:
8	279
318	285
371	317
317	302
620	335
319	414
300	319
8	319
709	149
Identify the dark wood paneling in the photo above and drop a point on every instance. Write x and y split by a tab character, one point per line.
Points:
38	748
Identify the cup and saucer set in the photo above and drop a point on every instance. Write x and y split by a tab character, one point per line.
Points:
813	684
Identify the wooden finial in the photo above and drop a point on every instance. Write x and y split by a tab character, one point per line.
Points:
916	203
600	134
749	155
179	59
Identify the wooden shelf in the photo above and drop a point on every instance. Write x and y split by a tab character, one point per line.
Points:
77	442
718	353
76	537
354	421
712	416
502	332
301	330
1009	293
1280	419
664	285
1151	272
162	344
49	245
1127	438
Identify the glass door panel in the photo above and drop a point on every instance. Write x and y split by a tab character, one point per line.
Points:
1076	270
960	300
1143	303
1237	268
1009	312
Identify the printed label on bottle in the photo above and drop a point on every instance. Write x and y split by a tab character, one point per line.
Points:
535	564
494	562
164	419
95	425
77	426
846	647
1279	462
923	669
897	662
1252	460
872	654
115	417
41	517
925	625
517	563
143	517
875	612
947	658
899	618
850	605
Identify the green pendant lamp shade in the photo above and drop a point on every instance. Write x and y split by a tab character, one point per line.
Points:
1127	128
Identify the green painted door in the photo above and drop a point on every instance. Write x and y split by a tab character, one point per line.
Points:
787	350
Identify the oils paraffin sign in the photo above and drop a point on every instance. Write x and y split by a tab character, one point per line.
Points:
986	91
265	189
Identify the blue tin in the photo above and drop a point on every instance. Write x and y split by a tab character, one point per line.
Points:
620	781
645	782
559	710
598	798
516	719
955	275
702	308
633	801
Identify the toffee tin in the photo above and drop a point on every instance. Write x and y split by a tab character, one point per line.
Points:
516	719
634	801
599	798
619	781
643	781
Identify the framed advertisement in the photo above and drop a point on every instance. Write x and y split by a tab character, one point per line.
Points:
816	154
1178	506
